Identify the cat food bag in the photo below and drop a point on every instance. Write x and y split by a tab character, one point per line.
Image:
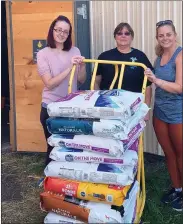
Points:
94	104
63	154
90	143
94	173
115	129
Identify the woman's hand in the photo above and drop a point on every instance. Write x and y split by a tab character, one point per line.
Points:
147	117
77	60
150	75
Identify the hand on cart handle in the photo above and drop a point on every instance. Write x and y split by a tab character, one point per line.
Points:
150	75
77	60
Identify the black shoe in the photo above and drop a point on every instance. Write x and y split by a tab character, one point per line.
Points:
170	196
178	204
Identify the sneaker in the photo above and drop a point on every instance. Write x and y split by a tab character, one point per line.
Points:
170	196
178	204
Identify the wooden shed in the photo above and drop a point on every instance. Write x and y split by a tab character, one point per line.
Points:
27	27
93	23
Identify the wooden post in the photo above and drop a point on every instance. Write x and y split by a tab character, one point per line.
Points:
12	113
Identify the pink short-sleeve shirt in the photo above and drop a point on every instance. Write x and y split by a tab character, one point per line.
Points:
52	61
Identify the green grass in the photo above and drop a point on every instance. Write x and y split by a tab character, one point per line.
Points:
20	193
157	182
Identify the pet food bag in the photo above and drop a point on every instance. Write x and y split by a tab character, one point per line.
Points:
53	218
111	194
63	154
90	143
134	135
73	208
115	129
109	147
93	104
90	172
130	203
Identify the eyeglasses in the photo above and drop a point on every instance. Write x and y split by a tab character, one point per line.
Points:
165	22
125	33
66	33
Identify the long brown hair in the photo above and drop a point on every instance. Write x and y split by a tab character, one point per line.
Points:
159	49
50	39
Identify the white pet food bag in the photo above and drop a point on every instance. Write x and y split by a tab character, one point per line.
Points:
53	218
90	172
130	204
110	147
115	129
63	154
89	104
134	134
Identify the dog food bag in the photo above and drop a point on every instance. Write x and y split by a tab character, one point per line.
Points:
115	129
63	154
111	194
92	105
90	172
53	218
90	212
110	147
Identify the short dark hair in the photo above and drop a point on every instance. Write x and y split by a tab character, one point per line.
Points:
121	26
50	40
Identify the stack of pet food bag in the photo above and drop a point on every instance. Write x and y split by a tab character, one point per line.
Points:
92	175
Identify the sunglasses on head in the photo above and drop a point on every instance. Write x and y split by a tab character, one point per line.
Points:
125	33
165	22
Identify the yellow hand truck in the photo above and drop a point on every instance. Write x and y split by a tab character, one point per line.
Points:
141	196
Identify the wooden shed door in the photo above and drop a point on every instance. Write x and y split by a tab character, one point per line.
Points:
31	21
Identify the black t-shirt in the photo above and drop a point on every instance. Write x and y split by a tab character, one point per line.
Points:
133	75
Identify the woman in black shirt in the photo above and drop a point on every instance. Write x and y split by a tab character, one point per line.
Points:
133	75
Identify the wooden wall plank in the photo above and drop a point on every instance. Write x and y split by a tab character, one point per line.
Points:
34	26
23	51
41	7
28	72
29	118
31	140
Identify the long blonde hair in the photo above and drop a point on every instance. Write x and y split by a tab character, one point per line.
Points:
158	48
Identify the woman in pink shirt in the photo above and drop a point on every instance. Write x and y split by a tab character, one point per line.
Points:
54	66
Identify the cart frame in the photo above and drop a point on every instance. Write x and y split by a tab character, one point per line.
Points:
141	196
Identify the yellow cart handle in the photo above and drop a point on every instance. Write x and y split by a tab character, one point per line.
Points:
115	63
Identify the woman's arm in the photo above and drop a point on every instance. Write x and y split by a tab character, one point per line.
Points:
97	82
43	69
148	95
172	87
82	73
52	82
